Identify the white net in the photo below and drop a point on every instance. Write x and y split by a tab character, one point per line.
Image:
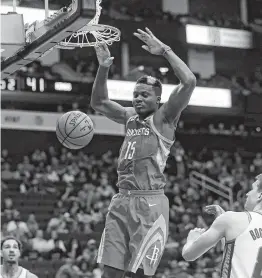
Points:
98	13
92	34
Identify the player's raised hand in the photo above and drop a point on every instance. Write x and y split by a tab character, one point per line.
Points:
194	234
214	209
103	55
153	44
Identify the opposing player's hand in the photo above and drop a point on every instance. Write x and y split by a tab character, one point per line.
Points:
153	44
195	234
103	55
214	209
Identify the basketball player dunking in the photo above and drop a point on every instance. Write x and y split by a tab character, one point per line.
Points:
243	234
11	251
136	226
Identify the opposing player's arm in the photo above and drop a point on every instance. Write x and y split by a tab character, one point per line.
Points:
181	95
101	102
195	248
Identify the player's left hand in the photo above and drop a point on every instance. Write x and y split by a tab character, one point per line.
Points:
153	44
194	234
214	209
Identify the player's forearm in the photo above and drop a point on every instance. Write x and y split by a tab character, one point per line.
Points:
100	91
188	252
181	70
194	249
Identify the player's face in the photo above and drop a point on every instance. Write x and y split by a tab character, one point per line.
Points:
253	196
145	100
10	251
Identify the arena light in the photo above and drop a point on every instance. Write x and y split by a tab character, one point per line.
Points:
202	96
216	36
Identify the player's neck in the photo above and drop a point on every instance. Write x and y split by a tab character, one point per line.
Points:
10	269
144	116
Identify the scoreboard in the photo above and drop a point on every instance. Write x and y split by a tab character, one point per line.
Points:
41	85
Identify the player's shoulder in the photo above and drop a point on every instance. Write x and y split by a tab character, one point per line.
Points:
130	112
226	217
229	218
30	274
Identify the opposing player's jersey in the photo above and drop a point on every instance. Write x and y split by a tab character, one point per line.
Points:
143	156
23	273
243	256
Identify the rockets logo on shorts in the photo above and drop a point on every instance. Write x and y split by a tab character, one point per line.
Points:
153	255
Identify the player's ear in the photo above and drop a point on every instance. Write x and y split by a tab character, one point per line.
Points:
158	100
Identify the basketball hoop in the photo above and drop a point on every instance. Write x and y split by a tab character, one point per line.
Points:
92	34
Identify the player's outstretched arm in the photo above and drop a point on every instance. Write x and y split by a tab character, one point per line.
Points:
180	97
99	98
200	241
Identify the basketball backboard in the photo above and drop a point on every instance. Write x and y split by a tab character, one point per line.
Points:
41	36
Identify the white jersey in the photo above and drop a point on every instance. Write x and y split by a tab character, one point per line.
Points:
243	255
23	273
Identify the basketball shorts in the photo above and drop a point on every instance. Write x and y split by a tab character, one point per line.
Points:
136	231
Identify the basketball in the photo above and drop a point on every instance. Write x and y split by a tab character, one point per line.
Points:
74	130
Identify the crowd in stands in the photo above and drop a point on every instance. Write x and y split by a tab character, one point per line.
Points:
82	71
141	10
81	186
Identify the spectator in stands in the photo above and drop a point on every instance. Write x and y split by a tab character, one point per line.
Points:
52	175
38	156
26	186
257	162
58	250
68	177
55	222
18	228
27	166
5	156
74	249
86	196
68	270
105	190
82	177
6	173
7	209
40	244
32	225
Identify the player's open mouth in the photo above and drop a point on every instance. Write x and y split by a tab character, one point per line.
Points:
138	105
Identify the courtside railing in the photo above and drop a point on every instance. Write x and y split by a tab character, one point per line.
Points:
202	180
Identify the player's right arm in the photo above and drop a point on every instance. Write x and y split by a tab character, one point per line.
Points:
200	241
99	98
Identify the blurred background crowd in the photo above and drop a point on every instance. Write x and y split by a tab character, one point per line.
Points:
55	200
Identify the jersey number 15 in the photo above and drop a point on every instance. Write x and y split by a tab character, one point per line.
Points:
130	151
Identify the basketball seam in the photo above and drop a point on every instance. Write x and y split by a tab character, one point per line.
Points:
81	135
64	140
67	135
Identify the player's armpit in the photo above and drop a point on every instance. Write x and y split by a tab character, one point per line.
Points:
114	111
177	101
194	249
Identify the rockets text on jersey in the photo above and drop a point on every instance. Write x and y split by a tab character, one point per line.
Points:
143	156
